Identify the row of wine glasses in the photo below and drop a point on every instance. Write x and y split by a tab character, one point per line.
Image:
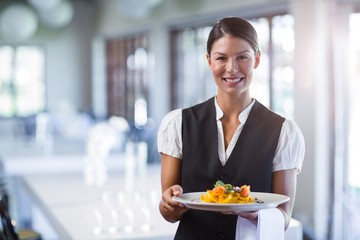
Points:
125	211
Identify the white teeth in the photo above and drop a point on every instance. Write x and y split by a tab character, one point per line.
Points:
233	80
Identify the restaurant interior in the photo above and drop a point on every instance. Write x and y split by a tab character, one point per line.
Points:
85	84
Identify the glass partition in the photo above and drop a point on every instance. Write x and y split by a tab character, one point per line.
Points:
22	81
127	76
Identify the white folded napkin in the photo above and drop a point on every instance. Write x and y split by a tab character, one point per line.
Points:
270	226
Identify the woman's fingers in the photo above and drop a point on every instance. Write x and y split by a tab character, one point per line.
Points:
167	196
176	190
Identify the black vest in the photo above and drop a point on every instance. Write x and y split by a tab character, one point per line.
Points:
249	163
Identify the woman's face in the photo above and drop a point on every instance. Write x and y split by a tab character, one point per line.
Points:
232	61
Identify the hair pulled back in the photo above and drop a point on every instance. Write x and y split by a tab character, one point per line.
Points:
235	27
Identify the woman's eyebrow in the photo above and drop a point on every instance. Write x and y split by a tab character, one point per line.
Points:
221	53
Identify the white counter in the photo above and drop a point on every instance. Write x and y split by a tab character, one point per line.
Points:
71	207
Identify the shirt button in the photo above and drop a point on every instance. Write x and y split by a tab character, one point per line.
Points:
223	177
220	219
221	236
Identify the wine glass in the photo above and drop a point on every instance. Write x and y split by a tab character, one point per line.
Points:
142	210
99	228
124	217
103	212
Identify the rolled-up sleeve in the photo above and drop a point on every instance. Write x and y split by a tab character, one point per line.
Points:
169	140
290	150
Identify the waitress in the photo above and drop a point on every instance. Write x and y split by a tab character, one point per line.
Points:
230	137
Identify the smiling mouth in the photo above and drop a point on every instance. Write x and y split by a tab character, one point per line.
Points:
233	80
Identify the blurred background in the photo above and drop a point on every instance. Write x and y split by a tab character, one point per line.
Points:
92	79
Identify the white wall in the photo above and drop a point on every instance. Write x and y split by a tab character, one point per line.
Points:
69	59
312	108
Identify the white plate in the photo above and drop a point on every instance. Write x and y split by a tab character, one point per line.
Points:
268	200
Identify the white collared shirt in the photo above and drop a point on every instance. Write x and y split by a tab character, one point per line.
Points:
289	153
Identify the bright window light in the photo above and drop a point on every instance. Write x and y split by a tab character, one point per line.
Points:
354	99
22	85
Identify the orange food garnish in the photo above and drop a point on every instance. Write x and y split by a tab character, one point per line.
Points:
245	190
226	193
217	191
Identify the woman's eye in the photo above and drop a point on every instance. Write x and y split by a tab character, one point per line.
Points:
220	58
243	57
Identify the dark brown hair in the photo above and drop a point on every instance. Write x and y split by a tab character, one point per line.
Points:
236	27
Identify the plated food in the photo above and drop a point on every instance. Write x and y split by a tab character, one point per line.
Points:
227	193
227	198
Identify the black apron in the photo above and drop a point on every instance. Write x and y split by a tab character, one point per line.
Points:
249	163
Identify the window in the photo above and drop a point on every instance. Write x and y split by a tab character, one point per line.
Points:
22	84
192	81
281	62
354	110
352	180
127	78
128	64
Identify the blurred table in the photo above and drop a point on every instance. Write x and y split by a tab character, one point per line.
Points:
76	211
42	164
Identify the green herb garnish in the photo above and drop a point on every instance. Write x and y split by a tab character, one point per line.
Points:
219	183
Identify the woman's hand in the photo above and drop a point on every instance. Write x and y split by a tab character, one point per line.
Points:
171	210
251	216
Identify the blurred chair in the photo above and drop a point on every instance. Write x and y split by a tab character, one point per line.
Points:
8	226
25	127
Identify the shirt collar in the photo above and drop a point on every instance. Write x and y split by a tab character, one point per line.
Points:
242	116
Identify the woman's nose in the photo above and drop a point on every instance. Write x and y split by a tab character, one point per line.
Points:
232	66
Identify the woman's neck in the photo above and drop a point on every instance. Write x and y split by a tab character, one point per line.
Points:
233	106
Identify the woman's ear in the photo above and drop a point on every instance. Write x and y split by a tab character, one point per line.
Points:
208	59
257	59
